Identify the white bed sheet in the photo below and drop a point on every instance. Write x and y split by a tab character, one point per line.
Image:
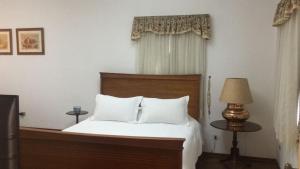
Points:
192	146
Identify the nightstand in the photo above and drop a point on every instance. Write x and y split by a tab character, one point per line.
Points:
234	161
77	114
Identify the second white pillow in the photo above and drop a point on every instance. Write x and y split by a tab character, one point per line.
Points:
172	111
111	108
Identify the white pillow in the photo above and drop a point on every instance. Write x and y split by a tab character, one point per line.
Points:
109	108
174	111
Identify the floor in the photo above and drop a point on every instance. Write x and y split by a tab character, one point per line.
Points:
212	161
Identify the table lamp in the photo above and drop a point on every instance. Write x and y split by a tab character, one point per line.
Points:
236	93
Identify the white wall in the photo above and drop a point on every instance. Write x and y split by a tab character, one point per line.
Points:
86	37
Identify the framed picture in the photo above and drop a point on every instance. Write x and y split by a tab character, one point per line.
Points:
30	41
6	42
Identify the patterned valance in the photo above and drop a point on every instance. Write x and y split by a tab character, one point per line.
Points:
285	9
171	25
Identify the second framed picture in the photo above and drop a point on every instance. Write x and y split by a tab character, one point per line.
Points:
30	41
6	42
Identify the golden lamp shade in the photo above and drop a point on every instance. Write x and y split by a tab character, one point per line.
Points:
236	92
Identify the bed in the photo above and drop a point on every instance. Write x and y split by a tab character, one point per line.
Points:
83	147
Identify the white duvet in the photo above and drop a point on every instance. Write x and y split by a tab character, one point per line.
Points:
192	146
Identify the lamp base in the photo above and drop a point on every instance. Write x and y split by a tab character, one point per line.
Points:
235	114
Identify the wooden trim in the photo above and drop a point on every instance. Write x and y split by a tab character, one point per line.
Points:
48	149
56	135
159	86
192	77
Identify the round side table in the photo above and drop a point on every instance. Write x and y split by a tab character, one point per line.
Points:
77	114
234	158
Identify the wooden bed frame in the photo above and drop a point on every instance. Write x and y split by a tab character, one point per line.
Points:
53	149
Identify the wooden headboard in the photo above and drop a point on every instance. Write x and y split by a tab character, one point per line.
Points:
158	86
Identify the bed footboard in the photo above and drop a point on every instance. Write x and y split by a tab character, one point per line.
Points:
53	149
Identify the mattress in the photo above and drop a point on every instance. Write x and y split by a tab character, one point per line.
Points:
192	146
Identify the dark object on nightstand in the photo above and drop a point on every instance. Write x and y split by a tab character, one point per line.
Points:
234	161
77	114
9	132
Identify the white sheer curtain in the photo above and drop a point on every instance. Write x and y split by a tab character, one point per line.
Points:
171	54
287	89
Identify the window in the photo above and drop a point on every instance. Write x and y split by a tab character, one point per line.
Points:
172	45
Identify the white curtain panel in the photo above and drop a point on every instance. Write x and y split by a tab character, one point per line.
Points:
287	89
171	54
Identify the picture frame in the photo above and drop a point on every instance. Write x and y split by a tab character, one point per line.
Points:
30	41
6	45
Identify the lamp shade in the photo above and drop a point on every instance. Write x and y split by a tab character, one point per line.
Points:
236	90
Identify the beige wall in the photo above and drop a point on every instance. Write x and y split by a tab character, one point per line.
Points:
86	37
